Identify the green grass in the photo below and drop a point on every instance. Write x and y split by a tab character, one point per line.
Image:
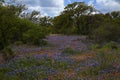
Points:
38	68
106	57
29	68
69	51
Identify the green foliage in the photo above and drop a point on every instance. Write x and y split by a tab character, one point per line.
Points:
34	35
18	43
110	45
29	68
94	46
89	72
70	21
7	26
115	14
106	57
70	51
63	24
117	20
13	29
45	21
77	20
105	60
8	53
106	32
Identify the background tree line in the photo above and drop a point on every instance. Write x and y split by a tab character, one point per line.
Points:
19	27
79	18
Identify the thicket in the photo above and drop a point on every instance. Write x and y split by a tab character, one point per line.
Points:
14	28
77	18
81	19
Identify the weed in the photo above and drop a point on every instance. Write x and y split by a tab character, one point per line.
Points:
70	51
8	53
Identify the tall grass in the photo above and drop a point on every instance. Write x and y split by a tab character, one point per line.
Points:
69	51
106	56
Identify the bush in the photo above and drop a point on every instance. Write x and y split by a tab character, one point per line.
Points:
107	55
35	35
111	45
8	53
13	28
18	43
105	60
70	51
94	46
106	32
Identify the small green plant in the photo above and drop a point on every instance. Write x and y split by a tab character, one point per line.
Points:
110	45
95	46
8	53
18	43
106	32
70	51
89	72
105	57
105	60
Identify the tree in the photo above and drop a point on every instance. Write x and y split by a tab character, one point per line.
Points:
77	11
63	24
107	32
1	2
13	28
35	35
7	19
73	17
45	21
33	16
115	14
20	9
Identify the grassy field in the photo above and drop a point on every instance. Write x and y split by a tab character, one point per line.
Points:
64	58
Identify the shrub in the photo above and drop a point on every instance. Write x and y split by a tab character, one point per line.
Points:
105	60
35	35
106	32
105	56
111	45
95	46
18	43
8	53
70	51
